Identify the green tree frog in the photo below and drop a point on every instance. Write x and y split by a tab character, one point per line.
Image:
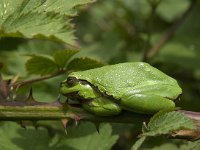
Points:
136	87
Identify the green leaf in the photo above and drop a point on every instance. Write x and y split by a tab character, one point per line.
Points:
191	146
167	146
15	59
38	19
13	137
83	64
41	65
62	6
39	46
88	138
84	137
61	57
138	143
166	122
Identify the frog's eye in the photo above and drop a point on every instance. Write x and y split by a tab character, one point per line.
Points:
71	81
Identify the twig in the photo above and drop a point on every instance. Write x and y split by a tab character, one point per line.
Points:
154	5
167	36
22	83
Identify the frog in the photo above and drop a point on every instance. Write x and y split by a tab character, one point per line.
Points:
132	86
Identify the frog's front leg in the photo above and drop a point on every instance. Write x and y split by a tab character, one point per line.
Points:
101	106
145	103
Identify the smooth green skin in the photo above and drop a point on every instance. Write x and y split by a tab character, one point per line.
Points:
136	87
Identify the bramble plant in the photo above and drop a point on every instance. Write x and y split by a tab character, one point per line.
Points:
101	55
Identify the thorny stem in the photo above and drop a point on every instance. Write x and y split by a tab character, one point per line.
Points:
20	111
12	111
168	35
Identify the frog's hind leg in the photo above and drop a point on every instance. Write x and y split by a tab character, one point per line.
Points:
145	103
102	107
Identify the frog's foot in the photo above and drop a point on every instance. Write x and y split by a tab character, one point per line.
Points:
102	107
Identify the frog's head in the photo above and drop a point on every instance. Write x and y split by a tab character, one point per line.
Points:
77	89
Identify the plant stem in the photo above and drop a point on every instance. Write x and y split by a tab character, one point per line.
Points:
13	111
26	82
151	18
35	111
55	111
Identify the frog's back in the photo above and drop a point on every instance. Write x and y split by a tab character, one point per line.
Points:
121	78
